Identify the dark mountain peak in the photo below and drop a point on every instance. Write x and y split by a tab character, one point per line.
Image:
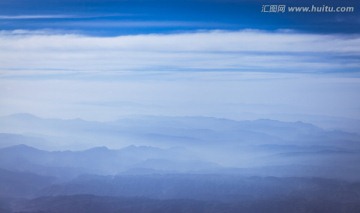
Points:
98	149
272	122
21	148
301	123
24	116
276	123
140	148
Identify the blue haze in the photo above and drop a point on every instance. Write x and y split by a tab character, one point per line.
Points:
179	105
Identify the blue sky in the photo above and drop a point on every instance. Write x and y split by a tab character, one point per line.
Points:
99	60
111	17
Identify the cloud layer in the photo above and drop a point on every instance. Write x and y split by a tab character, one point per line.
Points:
198	51
232	74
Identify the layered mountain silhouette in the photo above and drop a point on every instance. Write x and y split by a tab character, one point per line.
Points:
181	192
100	160
176	144
190	164
168	131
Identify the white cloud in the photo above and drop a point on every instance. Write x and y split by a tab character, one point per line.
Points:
60	16
221	94
143	24
37	17
53	75
208	50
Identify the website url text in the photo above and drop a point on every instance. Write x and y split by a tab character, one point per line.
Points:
312	9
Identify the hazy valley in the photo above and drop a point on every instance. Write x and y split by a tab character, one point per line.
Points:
186	164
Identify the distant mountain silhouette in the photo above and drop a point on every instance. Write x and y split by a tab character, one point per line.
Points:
145	164
206	187
22	184
98	160
106	204
176	144
170	131
14	139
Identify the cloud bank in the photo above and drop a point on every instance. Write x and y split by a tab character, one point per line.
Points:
246	50
232	74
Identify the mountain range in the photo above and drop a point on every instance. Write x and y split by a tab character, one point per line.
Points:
175	144
184	164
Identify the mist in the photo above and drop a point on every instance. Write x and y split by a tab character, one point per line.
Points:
179	106
164	158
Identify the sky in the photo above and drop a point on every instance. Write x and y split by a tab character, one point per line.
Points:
100	60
